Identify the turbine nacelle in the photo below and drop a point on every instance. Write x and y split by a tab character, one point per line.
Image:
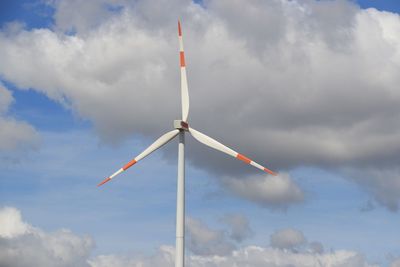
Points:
181	125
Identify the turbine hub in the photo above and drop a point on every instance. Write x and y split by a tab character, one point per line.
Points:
181	125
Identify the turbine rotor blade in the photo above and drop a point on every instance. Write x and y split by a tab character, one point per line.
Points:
208	141
184	83
156	145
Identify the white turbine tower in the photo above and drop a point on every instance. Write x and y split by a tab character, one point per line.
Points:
181	127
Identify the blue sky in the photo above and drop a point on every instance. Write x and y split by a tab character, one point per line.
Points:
53	180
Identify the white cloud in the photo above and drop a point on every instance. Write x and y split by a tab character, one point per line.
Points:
288	239
11	224
165	256
293	240
240	227
14	134
255	256
268	257
202	240
268	191
248	256
23	245
293	83
91	14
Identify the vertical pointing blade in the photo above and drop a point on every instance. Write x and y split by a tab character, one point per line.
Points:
184	83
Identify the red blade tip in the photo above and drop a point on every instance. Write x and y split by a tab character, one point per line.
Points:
179	28
104	181
270	172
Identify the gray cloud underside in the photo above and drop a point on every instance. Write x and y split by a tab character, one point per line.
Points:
277	192
288	83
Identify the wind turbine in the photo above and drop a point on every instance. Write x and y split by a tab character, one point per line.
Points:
181	127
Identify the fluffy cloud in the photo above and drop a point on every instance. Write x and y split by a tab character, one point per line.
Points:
240	227
269	191
254	256
202	240
293	240
248	256
294	83
11	223
14	134
23	245
287	239
165	256
91	14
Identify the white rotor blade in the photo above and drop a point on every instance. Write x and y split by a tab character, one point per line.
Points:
157	144
184	83
202	138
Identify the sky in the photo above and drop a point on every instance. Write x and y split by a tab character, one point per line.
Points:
307	88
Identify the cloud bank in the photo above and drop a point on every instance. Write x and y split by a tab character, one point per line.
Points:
23	245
